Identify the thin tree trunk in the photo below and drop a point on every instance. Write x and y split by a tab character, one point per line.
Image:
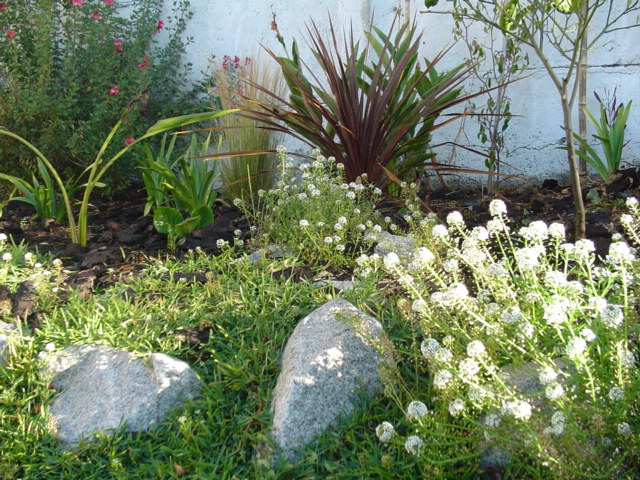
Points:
582	97
574	171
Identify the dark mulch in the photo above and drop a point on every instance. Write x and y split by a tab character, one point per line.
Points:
121	239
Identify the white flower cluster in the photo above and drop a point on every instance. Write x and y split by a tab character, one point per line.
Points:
416	410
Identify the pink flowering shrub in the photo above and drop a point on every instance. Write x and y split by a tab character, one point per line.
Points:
70	68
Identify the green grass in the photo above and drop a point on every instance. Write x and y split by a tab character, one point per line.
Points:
217	435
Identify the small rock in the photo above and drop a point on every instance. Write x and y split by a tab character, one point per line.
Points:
6	330
24	300
103	388
339	285
401	245
5	300
270	251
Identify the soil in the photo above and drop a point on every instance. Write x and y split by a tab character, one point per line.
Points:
121	238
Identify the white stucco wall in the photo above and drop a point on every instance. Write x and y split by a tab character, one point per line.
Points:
239	27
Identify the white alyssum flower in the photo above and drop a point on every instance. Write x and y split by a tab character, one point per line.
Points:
547	375
558	420
221	243
576	347
423	256
28	257
457	407
627	358
443	355
475	349
611	315
391	261
468	368
50	347
588	334
480	234
511	315
528	258
328	239
583	248
455	219
554	391
451	265
6	256
340	247
518	409
626	220
304	223
476	394
385	432
616	394
497	208
413	445
557	231
442	378
620	254
555	278
429	347
440	232
416	410
496	226
496	270
536	231
3	237
624	428
556	312
237	202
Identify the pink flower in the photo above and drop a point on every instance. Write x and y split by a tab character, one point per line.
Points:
128	141
159	26
144	64
3	6
118	45
95	14
109	2
77	3
11	33
114	90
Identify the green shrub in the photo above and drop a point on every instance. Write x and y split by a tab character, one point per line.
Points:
70	68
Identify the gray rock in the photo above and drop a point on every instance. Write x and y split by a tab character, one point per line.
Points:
6	331
103	388
270	251
332	355
401	245
25	299
525	380
339	285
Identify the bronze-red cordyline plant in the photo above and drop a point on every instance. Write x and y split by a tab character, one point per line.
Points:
374	110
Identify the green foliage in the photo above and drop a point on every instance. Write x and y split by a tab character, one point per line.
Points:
496	61
152	178
194	182
610	133
251	167
69	71
170	221
322	217
378	108
186	182
43	197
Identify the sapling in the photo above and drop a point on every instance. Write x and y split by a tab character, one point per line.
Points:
557	28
